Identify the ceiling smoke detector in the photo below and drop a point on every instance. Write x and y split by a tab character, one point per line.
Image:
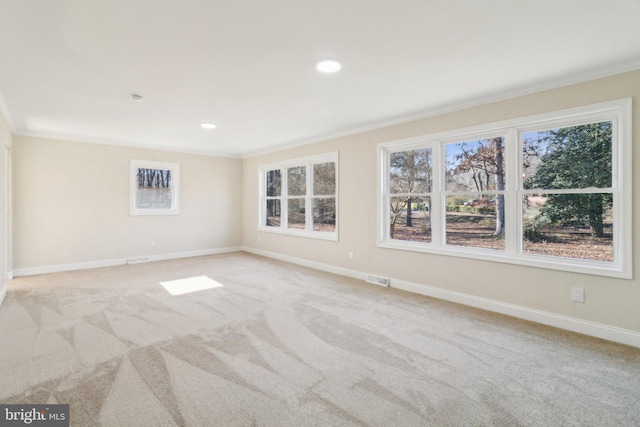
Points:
138	98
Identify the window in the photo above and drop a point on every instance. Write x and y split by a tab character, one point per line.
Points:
475	193
551	191
153	187
299	197
567	197
409	197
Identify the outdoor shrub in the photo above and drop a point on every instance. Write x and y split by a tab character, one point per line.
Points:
533	232
486	210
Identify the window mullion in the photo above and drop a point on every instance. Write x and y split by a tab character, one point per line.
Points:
437	199
309	198
512	196
284	194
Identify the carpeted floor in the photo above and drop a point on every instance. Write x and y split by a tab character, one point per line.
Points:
282	345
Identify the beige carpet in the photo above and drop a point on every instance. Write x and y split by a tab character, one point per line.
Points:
281	345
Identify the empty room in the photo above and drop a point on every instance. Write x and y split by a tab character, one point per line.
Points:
338	213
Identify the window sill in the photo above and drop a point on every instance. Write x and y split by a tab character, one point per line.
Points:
295	233
573	265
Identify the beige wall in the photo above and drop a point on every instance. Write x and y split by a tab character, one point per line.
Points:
611	302
5	203
71	204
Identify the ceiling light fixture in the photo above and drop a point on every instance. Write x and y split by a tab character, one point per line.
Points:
138	98
328	66
208	125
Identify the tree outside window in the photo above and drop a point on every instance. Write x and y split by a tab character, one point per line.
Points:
475	201
551	191
410	180
568	210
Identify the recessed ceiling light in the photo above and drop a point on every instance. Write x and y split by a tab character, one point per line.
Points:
329	66
208	125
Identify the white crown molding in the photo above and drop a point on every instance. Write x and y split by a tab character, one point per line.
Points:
577	78
598	330
564	81
125	144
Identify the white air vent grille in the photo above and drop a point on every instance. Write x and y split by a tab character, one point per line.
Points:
377	280
138	259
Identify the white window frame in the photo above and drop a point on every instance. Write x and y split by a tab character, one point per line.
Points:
618	111
174	167
283	166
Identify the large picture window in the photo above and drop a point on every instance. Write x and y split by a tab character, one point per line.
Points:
551	191
299	197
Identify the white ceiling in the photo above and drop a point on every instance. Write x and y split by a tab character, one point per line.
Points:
68	68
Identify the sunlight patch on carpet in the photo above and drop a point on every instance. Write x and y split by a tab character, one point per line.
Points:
191	284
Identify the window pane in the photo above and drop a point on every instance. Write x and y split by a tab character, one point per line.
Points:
475	165
296	212
410	219
324	179
475	221
297	181
273	213
274	183
410	171
566	158
569	225
324	214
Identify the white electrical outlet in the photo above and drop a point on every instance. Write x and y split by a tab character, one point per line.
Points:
350	254
577	294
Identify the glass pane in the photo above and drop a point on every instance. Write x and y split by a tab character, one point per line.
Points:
273	213
324	179
475	221
566	158
410	218
296	212
569	225
410	171
274	183
297	181
475	165
324	215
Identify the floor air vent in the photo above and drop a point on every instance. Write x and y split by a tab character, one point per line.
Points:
377	280
138	259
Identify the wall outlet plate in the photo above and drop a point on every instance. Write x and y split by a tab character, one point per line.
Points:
577	294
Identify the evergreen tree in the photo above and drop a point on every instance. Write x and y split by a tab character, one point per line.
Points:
575	157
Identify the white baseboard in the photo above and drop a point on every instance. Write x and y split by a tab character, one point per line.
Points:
3	293
190	254
598	330
57	268
306	263
45	269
